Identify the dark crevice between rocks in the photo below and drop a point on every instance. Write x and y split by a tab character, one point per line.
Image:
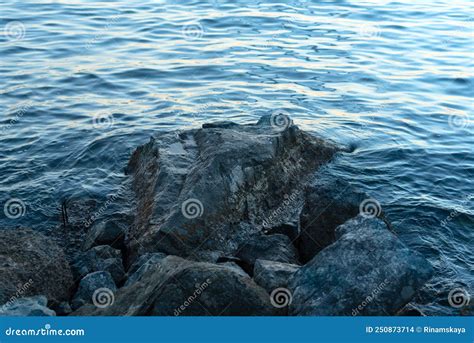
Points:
246	267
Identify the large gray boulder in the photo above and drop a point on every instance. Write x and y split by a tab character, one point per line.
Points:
24	307
367	271
329	202
183	287
93	288
273	247
32	264
212	188
204	289
143	266
272	275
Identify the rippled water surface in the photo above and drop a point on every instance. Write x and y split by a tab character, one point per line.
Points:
83	83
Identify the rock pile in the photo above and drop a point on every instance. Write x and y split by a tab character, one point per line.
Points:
228	219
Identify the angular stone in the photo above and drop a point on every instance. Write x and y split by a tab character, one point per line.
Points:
272	275
115	267
151	262
208	289
148	257
328	203
273	248
99	258
110	232
32	264
290	229
89	285
366	271
210	188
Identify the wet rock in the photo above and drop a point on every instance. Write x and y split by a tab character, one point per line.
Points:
32	264
273	248
210	188
143	266
62	309
110	232
32	306
272	275
148	257
410	310
99	258
290	229
328	204
183	287
90	288
366	271
114	267
204	289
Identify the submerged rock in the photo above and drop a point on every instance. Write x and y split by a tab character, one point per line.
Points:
367	271
32	264
23	307
213	188
182	287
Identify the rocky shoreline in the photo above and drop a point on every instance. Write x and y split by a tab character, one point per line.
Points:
227	219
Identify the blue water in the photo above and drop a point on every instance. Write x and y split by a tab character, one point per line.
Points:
83	83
